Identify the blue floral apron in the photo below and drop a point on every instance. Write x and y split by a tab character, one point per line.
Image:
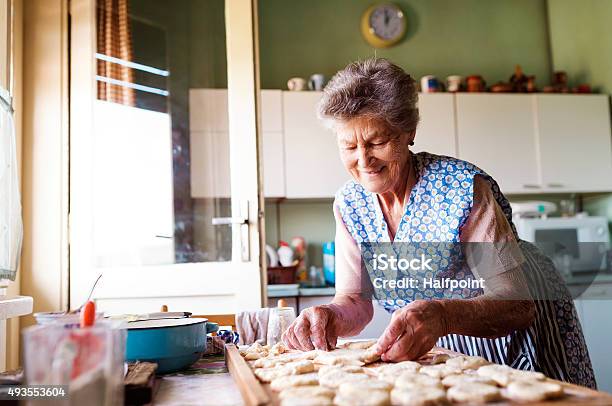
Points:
438	206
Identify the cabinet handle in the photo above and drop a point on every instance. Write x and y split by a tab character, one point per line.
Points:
530	186
555	185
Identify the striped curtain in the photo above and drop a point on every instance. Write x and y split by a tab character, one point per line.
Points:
114	40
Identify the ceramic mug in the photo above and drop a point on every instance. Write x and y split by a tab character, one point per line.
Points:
453	83
296	84
316	82
429	84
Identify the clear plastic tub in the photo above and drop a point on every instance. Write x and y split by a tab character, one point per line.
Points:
89	361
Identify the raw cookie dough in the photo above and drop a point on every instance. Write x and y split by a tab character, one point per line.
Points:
291	381
350	389
454	380
306	391
307	401
473	393
334	378
525	391
440	370
464	362
503	374
366	398
409	379
423	396
358	345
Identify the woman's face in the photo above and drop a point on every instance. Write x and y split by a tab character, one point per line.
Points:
372	153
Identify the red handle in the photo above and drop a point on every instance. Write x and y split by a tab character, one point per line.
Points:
88	314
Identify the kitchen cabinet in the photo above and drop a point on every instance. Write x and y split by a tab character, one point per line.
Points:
313	167
496	132
436	130
527	142
544	143
209	143
575	143
273	143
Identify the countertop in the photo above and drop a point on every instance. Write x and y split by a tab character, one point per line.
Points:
14	306
293	290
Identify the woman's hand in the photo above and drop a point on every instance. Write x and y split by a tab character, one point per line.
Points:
314	328
413	331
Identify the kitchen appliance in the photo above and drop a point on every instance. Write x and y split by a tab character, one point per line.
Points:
173	344
580	242
532	208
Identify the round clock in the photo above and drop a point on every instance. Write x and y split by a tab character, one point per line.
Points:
383	25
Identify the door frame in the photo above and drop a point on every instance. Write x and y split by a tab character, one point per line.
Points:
243	107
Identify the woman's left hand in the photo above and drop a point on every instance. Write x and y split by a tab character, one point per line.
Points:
413	330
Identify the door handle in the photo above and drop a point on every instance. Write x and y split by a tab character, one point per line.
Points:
555	185
221	221
241	221
531	186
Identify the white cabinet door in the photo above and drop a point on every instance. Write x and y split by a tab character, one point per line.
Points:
496	133
313	167
209	143
436	130
273	143
575	144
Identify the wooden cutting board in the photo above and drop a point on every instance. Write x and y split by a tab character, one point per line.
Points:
255	393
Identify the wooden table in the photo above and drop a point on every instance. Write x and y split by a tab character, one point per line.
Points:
256	394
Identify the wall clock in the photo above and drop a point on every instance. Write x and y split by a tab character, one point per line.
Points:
383	25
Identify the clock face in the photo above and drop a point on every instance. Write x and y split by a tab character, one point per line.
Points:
387	22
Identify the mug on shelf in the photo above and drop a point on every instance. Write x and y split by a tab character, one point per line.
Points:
296	84
316	82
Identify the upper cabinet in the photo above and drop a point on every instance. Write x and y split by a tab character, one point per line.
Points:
528	142
313	167
575	143
436	129
209	143
496	133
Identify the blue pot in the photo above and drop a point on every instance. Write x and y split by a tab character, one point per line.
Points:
173	344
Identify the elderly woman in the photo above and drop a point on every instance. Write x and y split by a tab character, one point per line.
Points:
398	196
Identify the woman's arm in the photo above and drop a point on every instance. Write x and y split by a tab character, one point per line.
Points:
351	309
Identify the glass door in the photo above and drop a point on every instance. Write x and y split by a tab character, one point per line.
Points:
164	194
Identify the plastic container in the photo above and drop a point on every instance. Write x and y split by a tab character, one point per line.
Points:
88	361
329	262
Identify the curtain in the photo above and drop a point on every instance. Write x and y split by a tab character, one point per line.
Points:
114	40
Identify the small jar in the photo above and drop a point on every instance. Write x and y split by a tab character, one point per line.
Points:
279	321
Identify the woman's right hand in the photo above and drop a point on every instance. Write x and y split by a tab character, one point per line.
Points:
314	328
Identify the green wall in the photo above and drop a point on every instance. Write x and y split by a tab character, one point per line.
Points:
489	37
581	43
